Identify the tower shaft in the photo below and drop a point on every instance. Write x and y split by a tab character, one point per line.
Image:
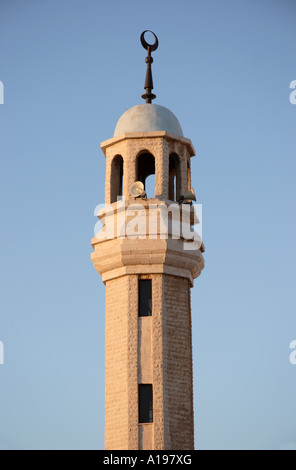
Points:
152	350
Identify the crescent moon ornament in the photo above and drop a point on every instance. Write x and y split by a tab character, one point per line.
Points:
145	44
149	96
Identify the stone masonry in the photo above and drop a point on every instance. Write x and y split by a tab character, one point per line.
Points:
156	349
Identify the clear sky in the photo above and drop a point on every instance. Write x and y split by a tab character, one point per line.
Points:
70	68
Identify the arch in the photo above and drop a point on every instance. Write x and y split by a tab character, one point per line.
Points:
188	174
145	168
116	178
174	177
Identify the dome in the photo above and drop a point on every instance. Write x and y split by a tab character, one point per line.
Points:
147	118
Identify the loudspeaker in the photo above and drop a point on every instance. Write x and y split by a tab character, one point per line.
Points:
190	195
137	189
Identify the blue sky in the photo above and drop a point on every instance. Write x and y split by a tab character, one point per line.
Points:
70	69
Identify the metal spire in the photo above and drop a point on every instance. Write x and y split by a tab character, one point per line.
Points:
148	96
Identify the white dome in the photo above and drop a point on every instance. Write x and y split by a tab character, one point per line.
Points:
147	118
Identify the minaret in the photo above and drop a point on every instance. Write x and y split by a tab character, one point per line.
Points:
148	272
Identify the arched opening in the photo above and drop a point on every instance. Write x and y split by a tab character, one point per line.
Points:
146	172
150	185
116	178
188	174
174	177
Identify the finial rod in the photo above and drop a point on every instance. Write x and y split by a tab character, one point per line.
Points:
148	96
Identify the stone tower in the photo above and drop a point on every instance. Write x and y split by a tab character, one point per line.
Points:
148	272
